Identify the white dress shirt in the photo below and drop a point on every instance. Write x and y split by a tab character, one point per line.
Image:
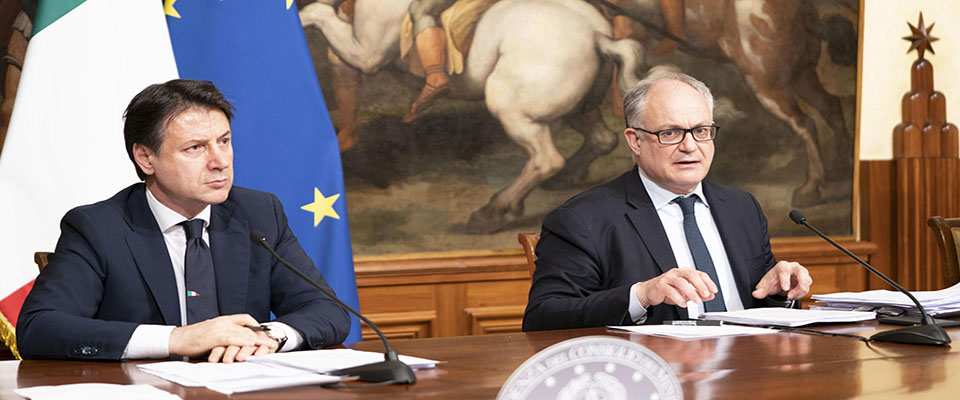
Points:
152	341
671	217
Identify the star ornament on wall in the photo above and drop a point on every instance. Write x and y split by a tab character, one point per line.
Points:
920	38
169	9
322	207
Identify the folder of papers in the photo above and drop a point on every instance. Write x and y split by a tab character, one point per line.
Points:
272	371
789	317
937	303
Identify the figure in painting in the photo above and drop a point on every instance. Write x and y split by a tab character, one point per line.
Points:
430	42
543	65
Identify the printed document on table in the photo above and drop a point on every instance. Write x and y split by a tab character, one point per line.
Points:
789	317
324	361
278	370
694	332
236	377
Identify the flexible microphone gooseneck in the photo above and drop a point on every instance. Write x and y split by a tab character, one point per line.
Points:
391	370
927	332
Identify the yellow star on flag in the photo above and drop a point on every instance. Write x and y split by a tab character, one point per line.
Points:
169	10
322	207
289	3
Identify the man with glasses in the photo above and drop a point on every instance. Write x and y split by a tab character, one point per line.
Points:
659	242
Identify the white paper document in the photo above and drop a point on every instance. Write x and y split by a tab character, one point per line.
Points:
937	303
789	317
324	361
95	391
694	332
279	370
234	378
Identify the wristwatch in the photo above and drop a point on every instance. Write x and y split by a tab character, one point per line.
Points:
275	333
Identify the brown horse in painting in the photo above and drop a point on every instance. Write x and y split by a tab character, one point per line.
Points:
776	45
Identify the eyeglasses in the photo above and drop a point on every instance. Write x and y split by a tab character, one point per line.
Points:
703	133
884	311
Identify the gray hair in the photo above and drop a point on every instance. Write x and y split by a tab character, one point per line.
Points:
635	100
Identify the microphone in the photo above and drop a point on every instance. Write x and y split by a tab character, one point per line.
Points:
927	332
390	370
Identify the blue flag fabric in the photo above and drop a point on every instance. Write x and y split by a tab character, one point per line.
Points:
255	52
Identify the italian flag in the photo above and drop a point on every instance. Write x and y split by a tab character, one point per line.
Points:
64	147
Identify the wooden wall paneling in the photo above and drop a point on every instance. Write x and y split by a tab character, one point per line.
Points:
907	183
495	319
451	299
395	298
463	295
831	270
402	325
878	217
497	293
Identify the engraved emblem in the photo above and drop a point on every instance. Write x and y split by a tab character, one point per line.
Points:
593	367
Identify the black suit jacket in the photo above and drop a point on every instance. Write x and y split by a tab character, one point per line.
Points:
595	246
111	272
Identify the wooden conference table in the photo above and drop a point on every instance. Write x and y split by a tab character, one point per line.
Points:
781	365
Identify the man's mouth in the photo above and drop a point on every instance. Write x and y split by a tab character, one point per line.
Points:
218	183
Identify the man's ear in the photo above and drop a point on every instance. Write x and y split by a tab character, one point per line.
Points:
630	135
143	156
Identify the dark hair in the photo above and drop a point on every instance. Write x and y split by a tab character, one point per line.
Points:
151	110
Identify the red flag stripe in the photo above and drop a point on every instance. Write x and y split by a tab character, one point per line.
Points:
10	305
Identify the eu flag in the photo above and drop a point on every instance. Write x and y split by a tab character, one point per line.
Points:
284	143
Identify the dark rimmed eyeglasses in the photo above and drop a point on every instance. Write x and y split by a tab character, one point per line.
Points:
703	133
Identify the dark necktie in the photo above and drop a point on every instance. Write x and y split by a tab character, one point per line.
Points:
198	274
698	248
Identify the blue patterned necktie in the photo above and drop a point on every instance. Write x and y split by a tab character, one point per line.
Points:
199	279
698	248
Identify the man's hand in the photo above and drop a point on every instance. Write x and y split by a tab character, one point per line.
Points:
677	286
786	277
225	337
227	354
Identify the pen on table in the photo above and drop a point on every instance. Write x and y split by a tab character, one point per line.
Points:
693	322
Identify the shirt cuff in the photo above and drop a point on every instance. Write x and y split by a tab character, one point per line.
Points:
638	312
294	339
148	341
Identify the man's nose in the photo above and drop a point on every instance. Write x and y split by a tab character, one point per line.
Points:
218	158
688	144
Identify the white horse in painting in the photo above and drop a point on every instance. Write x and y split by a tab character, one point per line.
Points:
534	62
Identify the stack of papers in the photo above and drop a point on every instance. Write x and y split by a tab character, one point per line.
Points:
694	332
324	361
234	378
272	371
937	303
789	317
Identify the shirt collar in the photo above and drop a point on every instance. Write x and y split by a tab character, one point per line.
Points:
168	219
662	197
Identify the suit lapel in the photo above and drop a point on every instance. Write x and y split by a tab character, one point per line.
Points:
149	251
727	219
230	245
648	226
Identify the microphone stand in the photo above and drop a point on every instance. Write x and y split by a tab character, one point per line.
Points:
927	332
390	370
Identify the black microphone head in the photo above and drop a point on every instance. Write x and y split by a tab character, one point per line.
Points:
258	237
797	217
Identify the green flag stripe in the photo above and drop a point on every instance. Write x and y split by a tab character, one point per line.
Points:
48	11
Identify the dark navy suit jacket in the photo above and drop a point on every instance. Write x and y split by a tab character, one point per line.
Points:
595	246
111	272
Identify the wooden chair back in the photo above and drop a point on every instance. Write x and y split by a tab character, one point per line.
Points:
529	243
40	258
948	237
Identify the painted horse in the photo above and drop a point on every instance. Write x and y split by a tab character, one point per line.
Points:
533	62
